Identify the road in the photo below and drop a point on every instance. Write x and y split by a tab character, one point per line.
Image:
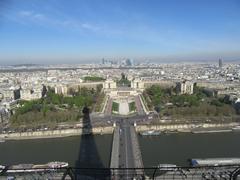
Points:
108	109
139	106
126	157
109	120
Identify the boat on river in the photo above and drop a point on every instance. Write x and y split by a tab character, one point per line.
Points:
236	128
19	168
215	161
150	133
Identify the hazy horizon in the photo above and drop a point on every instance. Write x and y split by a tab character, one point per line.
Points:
98	61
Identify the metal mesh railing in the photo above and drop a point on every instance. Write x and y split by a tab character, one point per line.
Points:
230	172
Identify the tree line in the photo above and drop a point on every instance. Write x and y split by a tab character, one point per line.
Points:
169	102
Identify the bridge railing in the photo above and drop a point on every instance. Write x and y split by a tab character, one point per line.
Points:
231	172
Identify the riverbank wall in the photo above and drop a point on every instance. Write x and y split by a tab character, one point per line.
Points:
110	129
185	127
56	133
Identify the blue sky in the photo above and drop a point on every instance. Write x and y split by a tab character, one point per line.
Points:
64	31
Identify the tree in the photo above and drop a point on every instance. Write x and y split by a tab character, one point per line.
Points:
44	91
45	108
93	78
71	91
216	102
237	107
123	77
157	108
99	88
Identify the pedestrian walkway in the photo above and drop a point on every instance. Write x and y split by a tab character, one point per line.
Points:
123	107
139	106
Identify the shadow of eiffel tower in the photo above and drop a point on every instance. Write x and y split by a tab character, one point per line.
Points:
88	157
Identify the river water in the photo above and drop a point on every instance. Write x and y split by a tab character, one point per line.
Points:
67	149
172	148
178	148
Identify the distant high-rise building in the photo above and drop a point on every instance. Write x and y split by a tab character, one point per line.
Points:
220	63
103	61
129	62
132	62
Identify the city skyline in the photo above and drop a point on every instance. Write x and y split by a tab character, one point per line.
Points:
50	32
110	89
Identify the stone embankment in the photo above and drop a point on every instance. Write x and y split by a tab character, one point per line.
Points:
56	133
110	129
186	127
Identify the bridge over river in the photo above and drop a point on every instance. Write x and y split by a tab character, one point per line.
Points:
126	153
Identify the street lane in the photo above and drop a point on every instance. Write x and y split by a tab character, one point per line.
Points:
126	159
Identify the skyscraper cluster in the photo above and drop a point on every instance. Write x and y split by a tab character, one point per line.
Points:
220	63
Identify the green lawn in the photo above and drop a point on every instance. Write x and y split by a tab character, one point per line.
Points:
93	78
115	106
132	106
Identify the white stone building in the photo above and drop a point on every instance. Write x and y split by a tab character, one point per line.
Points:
61	89
137	84
185	87
110	84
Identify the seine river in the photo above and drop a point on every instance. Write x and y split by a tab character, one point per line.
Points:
172	148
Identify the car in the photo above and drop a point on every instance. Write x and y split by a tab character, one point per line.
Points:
150	117
11	178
